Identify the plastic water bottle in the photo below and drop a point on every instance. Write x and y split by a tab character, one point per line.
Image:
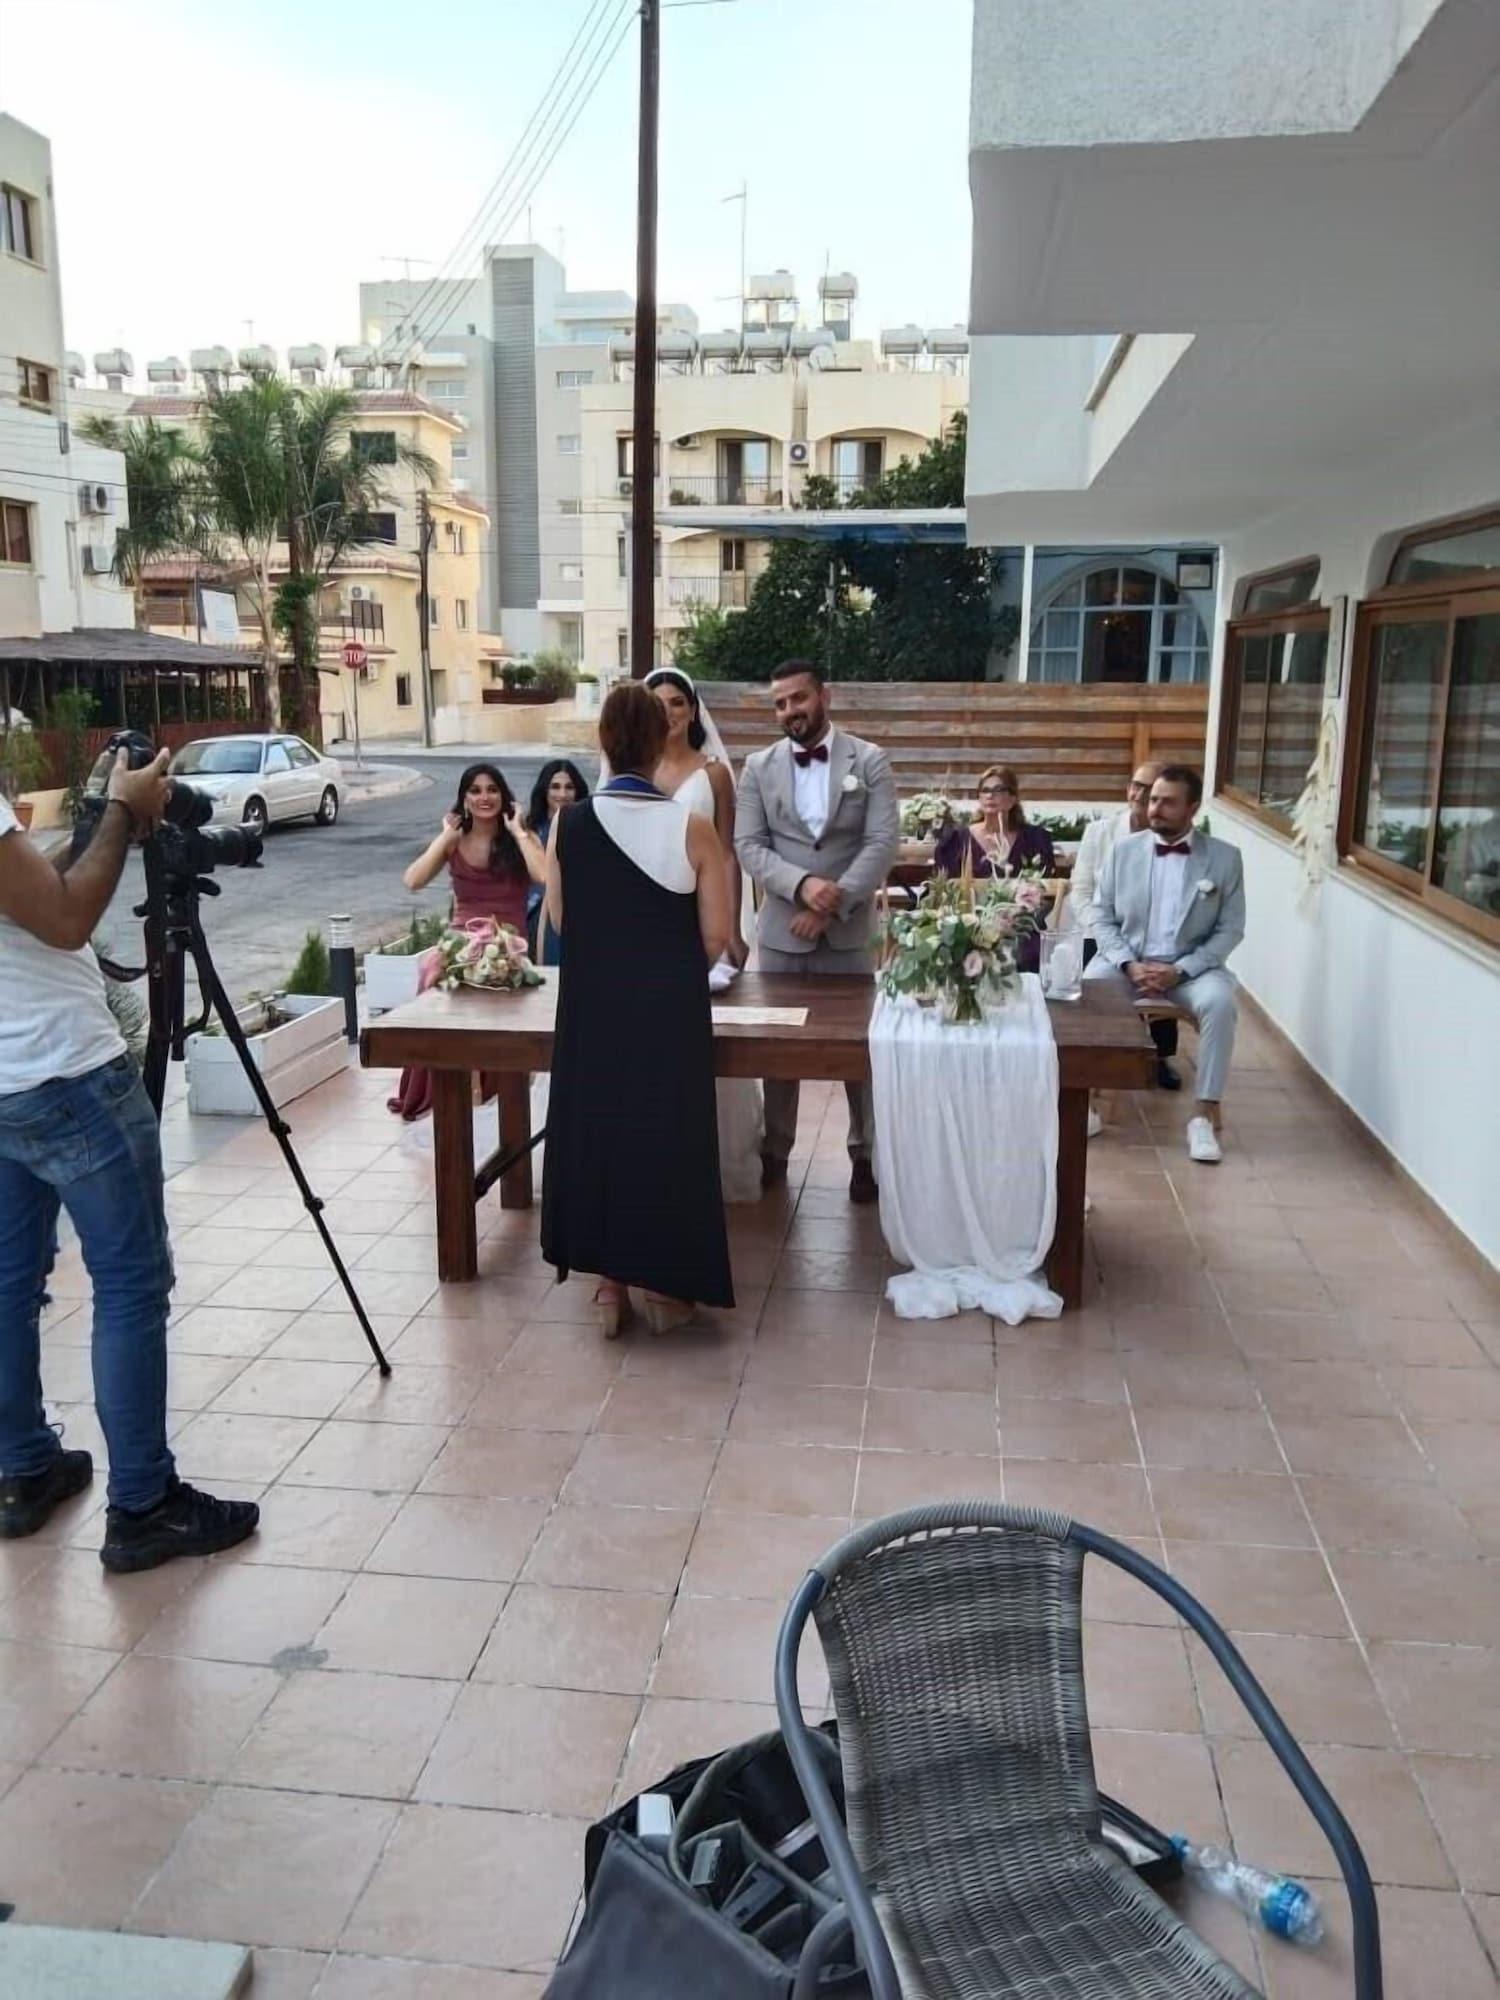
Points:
1284	1907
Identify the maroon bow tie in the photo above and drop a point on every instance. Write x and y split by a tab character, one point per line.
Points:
817	755
1177	847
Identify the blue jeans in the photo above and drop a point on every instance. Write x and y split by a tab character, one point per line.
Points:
90	1145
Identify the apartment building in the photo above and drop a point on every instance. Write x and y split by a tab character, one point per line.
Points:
1234	290
61	499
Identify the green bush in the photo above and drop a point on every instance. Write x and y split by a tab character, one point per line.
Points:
72	713
421	934
312	974
553	674
23	763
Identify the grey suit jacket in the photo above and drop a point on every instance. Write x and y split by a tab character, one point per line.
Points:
856	848
1213	910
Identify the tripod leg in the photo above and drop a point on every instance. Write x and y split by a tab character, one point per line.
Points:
214	995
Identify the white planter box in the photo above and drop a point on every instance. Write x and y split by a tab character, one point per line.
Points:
391	979
293	1059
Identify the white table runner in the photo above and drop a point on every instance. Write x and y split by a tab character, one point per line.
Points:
966	1150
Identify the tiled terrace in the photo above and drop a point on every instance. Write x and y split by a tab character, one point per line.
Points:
533	1570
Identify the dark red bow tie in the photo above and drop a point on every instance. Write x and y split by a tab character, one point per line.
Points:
817	755
1177	847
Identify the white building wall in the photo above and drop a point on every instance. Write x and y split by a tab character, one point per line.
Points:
1397	1010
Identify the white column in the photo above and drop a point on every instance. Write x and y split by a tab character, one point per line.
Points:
1023	658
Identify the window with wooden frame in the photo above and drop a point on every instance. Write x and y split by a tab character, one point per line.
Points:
34	384
1275	671
15	534
1421	793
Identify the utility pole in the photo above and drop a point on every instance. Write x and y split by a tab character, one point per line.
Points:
424	626
643	460
303	724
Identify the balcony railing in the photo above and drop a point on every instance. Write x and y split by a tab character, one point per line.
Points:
727	591
723	489
363	619
846	484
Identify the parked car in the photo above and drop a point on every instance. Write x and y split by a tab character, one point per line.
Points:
253	780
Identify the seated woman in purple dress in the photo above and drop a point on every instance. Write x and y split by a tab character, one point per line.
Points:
1002	841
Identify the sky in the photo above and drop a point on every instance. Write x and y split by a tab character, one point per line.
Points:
227	174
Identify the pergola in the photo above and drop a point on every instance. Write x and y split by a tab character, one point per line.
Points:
139	679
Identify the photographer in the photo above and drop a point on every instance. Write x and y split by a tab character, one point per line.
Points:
77	1132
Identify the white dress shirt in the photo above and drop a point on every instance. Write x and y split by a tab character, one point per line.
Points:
1169	874
810	786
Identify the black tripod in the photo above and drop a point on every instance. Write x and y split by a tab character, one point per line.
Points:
173	934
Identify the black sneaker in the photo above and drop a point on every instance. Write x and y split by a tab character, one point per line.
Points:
27	1501
862	1186
184	1522
1167	1078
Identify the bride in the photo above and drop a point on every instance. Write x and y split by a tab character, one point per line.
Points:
695	769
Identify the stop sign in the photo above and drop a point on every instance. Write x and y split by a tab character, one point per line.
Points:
355	656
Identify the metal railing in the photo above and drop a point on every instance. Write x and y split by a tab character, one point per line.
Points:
727	591
362	619
724	489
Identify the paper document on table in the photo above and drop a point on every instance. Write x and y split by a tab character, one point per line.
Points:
760	1017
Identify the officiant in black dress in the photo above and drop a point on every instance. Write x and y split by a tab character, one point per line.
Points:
636	885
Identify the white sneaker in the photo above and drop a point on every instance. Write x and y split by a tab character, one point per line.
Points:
1203	1142
1095	1124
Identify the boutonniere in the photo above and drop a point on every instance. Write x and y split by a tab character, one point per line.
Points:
1206	888
851	783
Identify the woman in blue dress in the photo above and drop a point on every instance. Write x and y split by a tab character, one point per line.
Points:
558	784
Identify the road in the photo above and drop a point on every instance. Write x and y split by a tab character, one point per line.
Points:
256	925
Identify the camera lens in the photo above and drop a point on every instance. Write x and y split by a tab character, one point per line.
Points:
231	846
188	806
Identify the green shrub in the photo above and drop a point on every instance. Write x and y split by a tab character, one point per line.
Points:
421	934
312	974
554	674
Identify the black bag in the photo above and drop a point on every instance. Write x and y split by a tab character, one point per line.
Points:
719	1910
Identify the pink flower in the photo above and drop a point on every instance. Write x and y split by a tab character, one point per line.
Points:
973	967
1029	895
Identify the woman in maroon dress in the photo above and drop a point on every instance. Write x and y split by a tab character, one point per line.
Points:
492	859
1002	841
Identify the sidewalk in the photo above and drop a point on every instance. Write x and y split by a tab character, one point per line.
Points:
374	781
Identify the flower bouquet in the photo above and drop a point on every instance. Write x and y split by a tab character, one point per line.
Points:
926	816
957	948
487	954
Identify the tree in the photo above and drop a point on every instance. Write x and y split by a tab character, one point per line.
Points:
244	472
161	467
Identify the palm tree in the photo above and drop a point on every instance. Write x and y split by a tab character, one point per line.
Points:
244	478
166	517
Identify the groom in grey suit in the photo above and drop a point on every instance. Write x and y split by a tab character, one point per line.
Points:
817	827
1168	910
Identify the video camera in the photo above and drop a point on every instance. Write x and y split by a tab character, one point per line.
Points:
186	844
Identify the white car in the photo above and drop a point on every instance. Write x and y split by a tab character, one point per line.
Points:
253	780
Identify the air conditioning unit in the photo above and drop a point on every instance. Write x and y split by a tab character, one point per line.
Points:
625	487
96	560
369	673
692	442
357	590
799	452
94	498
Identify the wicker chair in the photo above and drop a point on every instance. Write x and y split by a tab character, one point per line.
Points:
953	1636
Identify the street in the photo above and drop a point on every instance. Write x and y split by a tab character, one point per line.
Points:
256	925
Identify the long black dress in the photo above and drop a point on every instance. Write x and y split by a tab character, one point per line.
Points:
630	1187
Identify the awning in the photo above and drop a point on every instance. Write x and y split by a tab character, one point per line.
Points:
115	646
835	524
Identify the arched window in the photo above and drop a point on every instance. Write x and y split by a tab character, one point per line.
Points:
1117	622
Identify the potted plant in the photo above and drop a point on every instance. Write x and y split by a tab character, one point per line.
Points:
518	684
23	766
296	1041
586	694
393	969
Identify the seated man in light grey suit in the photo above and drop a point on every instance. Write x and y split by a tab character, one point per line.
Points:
1168	910
817	828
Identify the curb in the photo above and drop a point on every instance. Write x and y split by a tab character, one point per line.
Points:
380	781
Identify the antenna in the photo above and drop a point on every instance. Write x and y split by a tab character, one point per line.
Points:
743	198
406	264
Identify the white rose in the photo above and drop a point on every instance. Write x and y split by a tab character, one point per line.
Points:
851	782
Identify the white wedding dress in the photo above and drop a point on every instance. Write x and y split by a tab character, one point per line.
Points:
742	1112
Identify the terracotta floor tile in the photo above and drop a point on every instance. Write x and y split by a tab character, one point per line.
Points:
519	1402
1196	1381
1461	1795
1169	1780
433	1627
671	1732
1253	1590
1075	1432
440	1341
784	1414
1427	1942
1209	1440
1354	1447
783	1479
1467	1457
384	1457
1080	1376
156	1718
318	1527
530	1868
77	1848
1446	1395
890	1481
285	1975
1321	1388
413	1394
395	1979
530	1749
68	1600
275	1289
640	1472
1322	1688
216	1446
40	1688
1421	1598
1374	1790
1198	1506
334	1336
595	1641
290	1388
443	1535
1114	1597
1394	1519
643	1407
737	1554
362	1734
932	1421
1418	1343
249	1612
612	1548
1443	1697
1136	1677
1294	1336
838	1360
276	1868
503	1465
723	1649
1112	1497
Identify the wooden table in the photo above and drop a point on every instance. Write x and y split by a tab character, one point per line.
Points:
1101	1044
